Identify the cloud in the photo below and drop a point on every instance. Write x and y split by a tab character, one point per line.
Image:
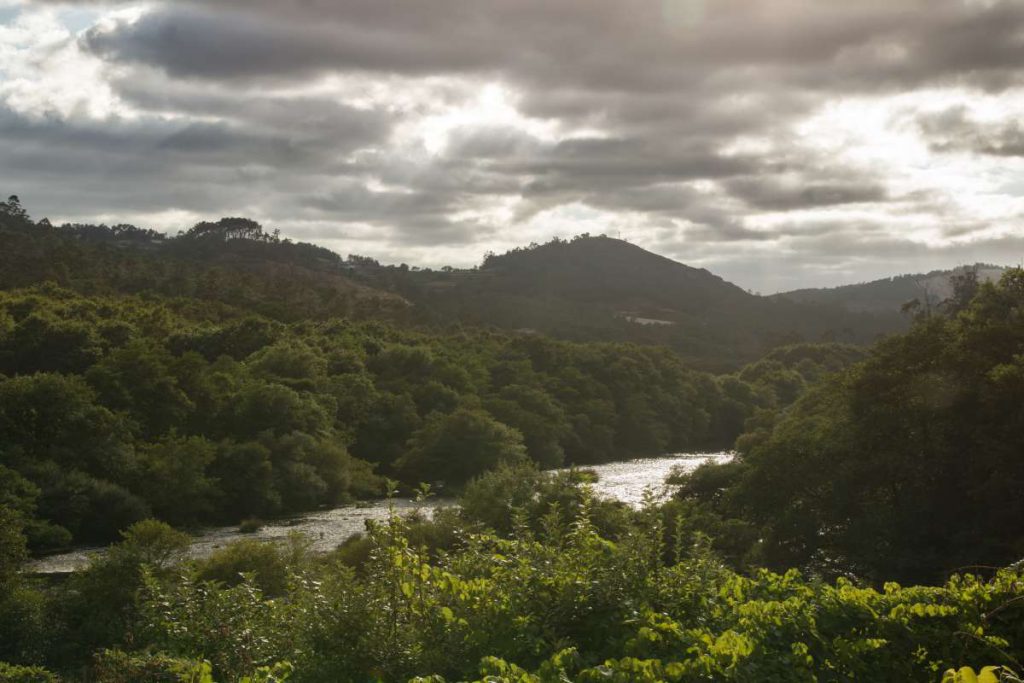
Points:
740	134
595	45
954	130
45	72
782	194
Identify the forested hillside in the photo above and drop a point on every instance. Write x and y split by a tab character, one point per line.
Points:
887	297
233	261
586	289
115	409
600	288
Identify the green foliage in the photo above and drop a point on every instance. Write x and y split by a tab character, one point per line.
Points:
173	477
989	674
267	564
12	542
10	673
22	608
860	475
555	599
197	414
520	494
235	628
454	448
100	605
116	666
571	605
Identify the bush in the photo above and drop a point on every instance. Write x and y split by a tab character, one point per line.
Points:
10	673
269	563
115	666
250	526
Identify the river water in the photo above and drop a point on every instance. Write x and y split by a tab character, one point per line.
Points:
626	481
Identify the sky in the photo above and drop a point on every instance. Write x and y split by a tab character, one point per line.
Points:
778	143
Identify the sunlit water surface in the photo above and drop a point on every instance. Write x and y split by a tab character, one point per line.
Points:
627	481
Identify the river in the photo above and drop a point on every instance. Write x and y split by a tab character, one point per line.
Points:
624	481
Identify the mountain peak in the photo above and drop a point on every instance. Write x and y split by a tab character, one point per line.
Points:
601	267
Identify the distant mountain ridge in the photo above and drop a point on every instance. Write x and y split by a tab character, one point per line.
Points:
887	295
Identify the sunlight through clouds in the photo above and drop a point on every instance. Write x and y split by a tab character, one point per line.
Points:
45	73
712	131
492	106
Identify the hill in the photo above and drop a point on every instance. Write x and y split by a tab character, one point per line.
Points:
599	288
232	261
886	297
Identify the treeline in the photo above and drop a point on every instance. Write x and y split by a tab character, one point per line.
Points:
114	409
232	261
904	467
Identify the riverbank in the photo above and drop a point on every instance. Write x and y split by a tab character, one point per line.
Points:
625	481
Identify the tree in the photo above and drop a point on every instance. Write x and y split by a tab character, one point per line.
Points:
23	620
172	478
44	343
290	362
49	417
538	417
101	606
245	479
263	406
13	209
12	544
229	229
139	380
457	447
965	287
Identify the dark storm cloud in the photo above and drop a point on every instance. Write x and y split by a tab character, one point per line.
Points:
596	45
220	44
773	194
306	117
168	146
353	202
622	160
954	131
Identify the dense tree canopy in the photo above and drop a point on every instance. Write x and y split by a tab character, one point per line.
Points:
113	409
907	466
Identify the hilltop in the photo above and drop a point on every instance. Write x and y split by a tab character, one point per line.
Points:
233	262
